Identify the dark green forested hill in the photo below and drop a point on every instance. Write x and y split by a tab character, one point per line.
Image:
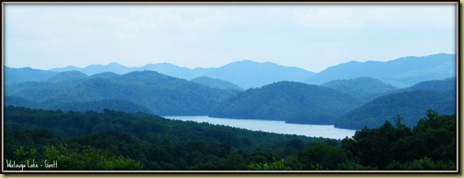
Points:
410	102
140	141
288	101
112	140
363	88
216	83
161	94
410	105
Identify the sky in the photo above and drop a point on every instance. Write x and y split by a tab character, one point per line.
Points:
309	36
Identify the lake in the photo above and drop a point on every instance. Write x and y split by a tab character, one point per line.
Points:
326	131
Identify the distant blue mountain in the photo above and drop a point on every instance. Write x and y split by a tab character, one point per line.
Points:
68	76
402	72
96	68
246	74
249	74
216	83
171	70
27	74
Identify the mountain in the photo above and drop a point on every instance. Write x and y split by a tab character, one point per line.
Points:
363	88
161	94
68	76
27	74
249	74
96	68
401	72
448	84
287	101
246	73
18	101
411	103
171	70
105	75
215	83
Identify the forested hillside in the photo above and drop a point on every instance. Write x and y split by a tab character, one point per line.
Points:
363	88
410	105
161	94
216	83
19	75
439	95
99	105
122	141
139	141
288	101
446	85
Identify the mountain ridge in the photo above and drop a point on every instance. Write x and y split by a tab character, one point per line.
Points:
410	103
401	72
161	94
245	73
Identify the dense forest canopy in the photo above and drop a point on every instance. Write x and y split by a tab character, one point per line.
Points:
125	141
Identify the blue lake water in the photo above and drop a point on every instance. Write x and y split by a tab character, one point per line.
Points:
326	131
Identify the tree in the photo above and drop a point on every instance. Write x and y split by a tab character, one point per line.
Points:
321	155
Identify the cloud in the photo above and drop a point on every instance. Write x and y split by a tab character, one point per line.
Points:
58	41
330	19
374	17
123	35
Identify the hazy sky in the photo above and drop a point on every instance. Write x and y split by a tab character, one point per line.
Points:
309	36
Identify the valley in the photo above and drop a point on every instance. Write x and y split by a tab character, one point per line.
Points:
242	116
248	90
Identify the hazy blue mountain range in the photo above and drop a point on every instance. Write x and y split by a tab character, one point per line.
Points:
161	94
411	103
246	74
363	88
96	68
401	72
270	90
216	83
288	101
